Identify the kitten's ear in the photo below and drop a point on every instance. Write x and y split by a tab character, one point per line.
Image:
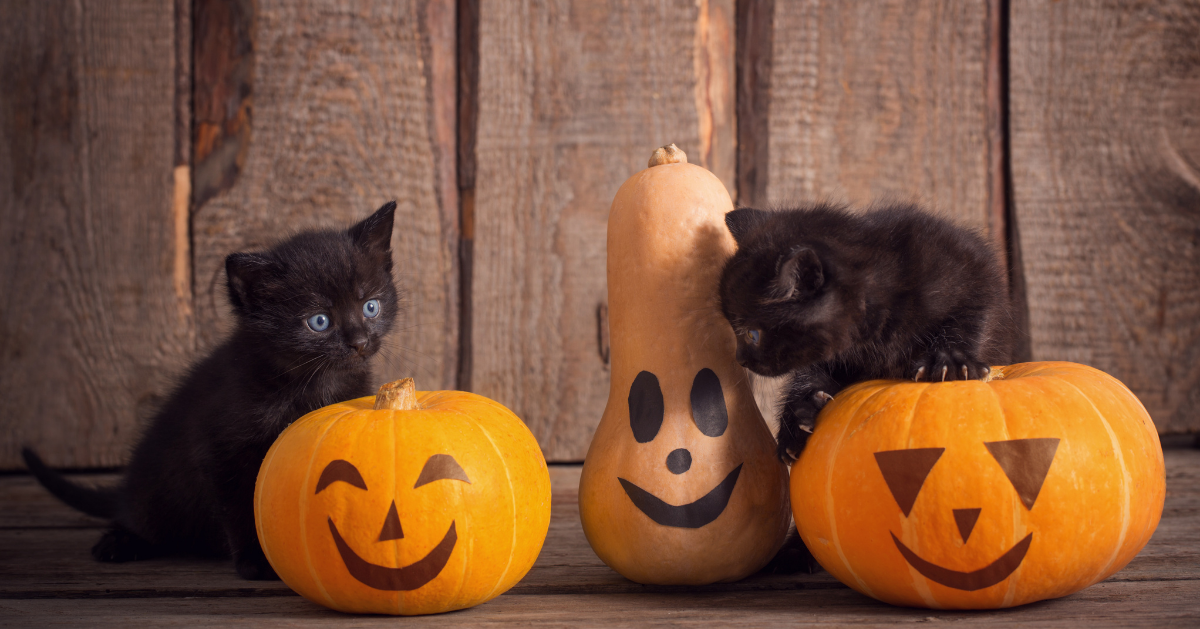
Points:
741	220
797	273
374	233
245	271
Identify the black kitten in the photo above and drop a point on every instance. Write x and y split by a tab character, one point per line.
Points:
309	313
836	298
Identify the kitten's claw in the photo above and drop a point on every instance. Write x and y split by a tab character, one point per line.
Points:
945	370
821	398
964	373
985	372
920	372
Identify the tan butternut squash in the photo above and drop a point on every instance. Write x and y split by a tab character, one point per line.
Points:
681	484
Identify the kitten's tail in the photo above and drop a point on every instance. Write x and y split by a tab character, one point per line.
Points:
98	501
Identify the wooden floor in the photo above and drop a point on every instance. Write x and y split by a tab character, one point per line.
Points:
48	579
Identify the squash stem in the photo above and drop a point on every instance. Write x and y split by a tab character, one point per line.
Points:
669	154
400	395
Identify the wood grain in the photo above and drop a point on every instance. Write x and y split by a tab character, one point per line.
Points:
870	102
1106	177
91	321
48	578
881	100
574	95
352	106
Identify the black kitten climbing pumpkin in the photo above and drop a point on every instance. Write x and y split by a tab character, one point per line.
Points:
835	298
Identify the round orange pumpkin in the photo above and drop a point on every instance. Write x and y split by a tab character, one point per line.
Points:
406	503
681	484
1035	484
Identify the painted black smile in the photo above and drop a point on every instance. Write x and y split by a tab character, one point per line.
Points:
407	578
986	576
689	516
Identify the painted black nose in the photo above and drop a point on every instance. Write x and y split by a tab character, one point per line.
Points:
391	525
966	519
679	461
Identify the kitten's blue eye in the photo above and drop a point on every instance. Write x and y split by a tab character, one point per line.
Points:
754	336
371	309
318	322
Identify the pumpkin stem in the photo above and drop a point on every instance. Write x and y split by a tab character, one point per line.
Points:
669	154
400	395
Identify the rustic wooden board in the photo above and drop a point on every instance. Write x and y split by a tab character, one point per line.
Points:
1103	605
93	319
351	107
871	102
574	95
47	579
881	100
1109	604
1106	181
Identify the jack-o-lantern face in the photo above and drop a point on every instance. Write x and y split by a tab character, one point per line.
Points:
710	418
438	506
412	576
1034	484
1025	462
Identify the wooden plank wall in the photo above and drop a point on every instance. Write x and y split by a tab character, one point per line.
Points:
352	106
1105	109
504	129
93	321
875	101
573	96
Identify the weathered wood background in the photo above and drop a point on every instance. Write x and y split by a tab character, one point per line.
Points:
141	141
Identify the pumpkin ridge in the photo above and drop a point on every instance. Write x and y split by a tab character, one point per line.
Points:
258	524
1014	579
829	506
394	488
312	571
512	549
1125	482
913	413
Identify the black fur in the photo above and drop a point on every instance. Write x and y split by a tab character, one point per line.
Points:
836	298
189	486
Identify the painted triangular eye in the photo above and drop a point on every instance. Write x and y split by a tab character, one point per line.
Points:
1025	462
441	467
339	470
645	407
905	471
708	404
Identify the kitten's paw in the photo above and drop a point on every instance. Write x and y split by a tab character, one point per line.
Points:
947	365
256	569
119	545
796	423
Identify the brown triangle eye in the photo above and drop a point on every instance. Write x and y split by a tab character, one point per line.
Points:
339	470
905	471
441	467
1025	462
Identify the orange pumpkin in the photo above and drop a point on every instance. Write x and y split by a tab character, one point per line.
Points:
1035	484
406	503
681	484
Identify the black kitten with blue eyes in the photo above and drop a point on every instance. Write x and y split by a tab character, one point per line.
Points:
835	298
309	312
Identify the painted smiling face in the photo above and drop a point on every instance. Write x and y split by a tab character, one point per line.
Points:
1033	485
681	484
683	494
418	511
